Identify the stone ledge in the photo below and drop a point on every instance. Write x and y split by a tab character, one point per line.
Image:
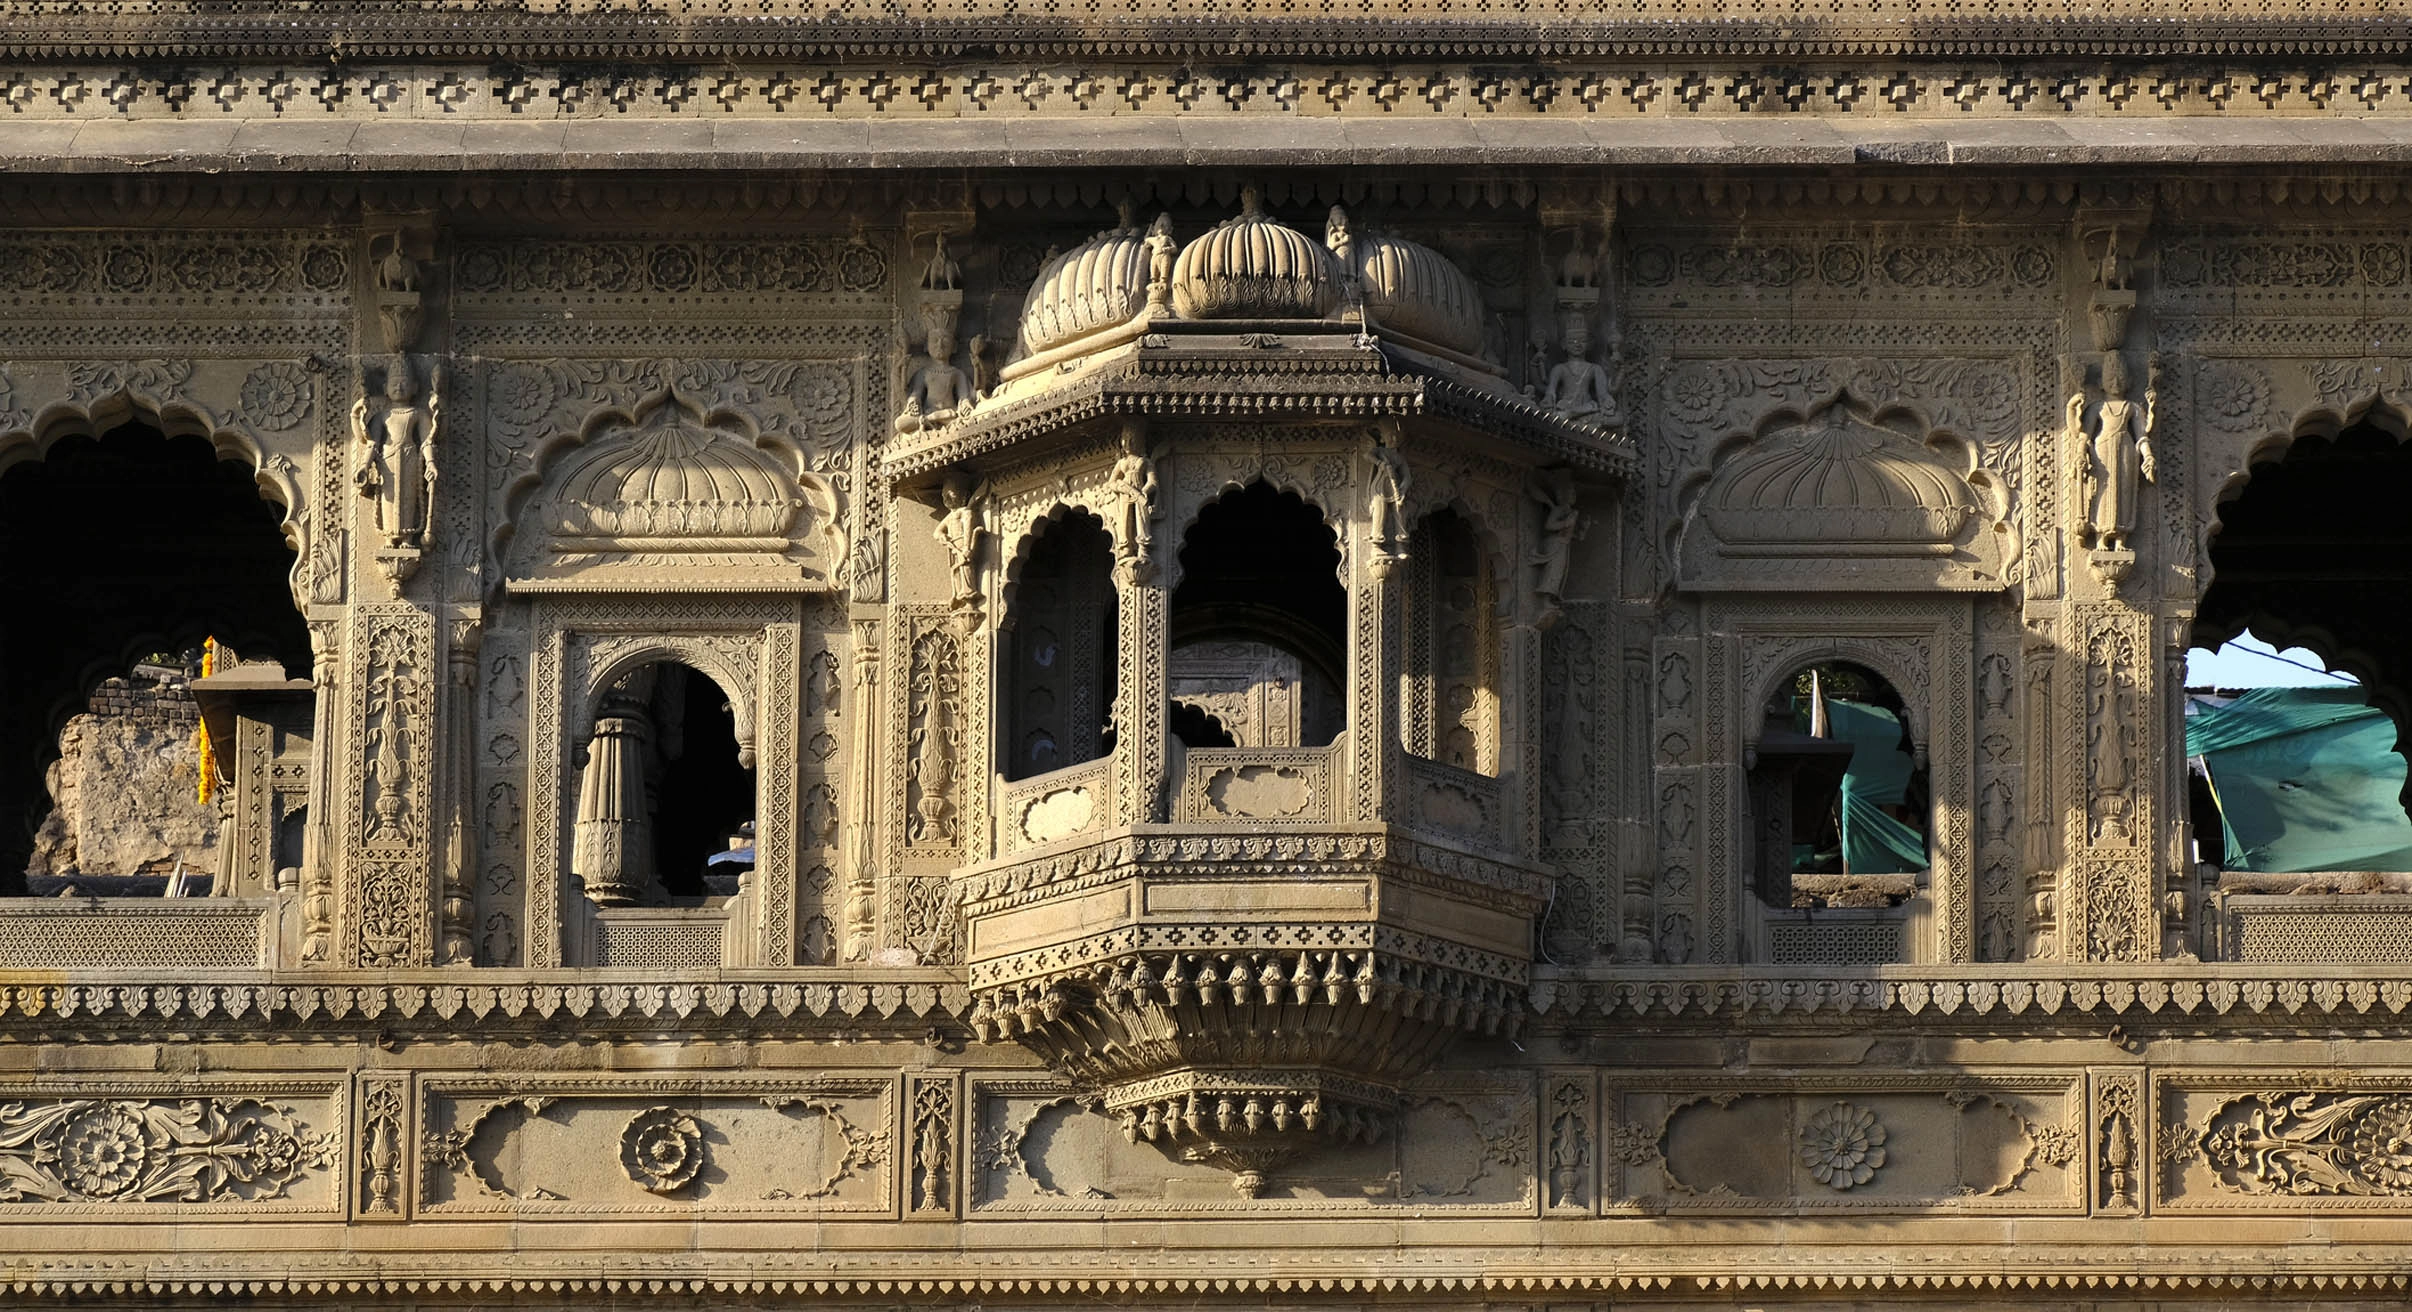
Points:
418	146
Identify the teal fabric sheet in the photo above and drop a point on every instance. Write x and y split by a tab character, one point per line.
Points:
2306	779
1874	843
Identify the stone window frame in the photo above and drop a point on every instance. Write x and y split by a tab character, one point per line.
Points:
1925	648
752	648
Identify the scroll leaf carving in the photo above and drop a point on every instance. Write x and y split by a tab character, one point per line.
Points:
2312	1144
195	1150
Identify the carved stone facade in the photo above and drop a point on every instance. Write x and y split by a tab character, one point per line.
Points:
951	654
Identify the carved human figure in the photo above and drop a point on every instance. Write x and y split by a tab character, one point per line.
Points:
1337	238
1561	523
394	439
1162	251
963	528
2119	455
937	389
1386	508
1579	389
1134	491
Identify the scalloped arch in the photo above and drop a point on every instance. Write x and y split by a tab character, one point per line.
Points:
278	481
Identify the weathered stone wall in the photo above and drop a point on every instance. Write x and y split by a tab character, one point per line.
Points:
125	785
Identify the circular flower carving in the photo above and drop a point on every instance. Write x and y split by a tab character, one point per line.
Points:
1842	265
523	393
1842	1146
1992	397
276	395
126	268
102	1150
481	269
662	1149
1696	393
2234	397
2381	1144
860	269
673	268
323	268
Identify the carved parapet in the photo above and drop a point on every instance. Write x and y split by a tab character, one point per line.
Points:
1242	997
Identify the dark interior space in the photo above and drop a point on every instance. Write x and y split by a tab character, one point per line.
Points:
119	547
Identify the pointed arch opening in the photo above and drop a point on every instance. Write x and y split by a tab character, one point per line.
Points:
1058	645
1259	625
1449	685
2302	790
1842	814
666	798
130	548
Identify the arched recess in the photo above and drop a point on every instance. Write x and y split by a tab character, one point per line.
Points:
1058	646
665	787
1842	495
1258	626
1450	687
718	661
122	539
2310	546
668	495
1841	814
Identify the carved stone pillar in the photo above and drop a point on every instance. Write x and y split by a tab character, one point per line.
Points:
1377	647
613	855
388	788
2108	896
1142	699
320	847
457	863
863	774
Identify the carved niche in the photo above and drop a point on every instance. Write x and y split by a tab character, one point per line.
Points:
672	496
1843	498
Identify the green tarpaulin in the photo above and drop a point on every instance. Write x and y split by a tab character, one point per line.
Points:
2305	779
1874	843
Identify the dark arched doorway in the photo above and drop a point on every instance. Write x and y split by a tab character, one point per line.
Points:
2317	551
112	548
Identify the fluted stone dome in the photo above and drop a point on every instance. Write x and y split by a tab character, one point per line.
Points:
1838	485
1414	290
1252	267
1096	285
672	481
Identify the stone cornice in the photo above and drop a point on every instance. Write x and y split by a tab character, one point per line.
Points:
694	29
138	1004
141	1005
2184	995
1205	1278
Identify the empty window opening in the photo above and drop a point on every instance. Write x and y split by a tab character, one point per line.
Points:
1450	686
2291	771
665	803
2294	751
126	552
1838	792
1259	625
1059	648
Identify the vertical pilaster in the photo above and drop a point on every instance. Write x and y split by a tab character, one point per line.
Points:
387	793
863	815
1142	650
456	864
1670	832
